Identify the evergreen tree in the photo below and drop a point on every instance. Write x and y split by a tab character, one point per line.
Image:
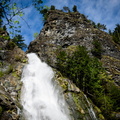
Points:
65	8
101	26
116	34
52	7
74	8
19	41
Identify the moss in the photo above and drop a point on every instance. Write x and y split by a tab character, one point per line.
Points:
11	45
64	84
76	100
18	58
62	81
101	117
1	74
97	109
14	74
70	49
24	60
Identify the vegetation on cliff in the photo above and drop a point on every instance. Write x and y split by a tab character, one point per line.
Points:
116	34
89	75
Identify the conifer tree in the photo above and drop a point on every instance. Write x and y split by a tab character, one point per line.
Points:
74	8
19	41
52	7
116	34
65	8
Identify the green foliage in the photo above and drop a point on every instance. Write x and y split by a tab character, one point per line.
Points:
8	10
97	50
80	68
19	41
98	25
101	26
37	4
87	73
1	73
42	9
74	8
116	34
36	34
6	37
66	9
114	93
52	7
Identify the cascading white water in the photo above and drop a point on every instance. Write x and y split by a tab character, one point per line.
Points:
40	98
90	109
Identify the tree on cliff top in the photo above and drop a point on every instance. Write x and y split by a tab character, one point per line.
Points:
74	8
19	41
116	34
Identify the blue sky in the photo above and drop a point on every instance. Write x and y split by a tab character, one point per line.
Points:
100	11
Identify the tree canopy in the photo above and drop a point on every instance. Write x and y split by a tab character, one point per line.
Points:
74	8
19	41
116	34
8	11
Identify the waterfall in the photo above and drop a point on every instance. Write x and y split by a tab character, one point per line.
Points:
40	97
90	109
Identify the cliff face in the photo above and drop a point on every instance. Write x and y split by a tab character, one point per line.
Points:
66	31
12	60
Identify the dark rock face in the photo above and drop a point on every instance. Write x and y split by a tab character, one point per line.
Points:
12	61
68	30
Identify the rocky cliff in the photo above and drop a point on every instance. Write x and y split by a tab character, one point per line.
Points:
68	30
62	32
12	60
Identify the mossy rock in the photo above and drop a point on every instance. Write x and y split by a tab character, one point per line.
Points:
11	45
101	117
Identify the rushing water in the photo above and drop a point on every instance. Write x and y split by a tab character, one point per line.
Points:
40	97
90	109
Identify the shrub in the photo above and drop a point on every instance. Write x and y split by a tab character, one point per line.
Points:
52	7
80	68
87	73
97	50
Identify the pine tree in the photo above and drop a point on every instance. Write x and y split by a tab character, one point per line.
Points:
74	8
116	34
52	7
19	41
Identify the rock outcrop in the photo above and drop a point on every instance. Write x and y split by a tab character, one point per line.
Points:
12	61
68	30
